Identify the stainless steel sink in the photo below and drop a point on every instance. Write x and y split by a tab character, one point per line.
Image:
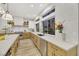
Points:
41	34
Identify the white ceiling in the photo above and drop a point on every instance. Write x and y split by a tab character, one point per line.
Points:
27	10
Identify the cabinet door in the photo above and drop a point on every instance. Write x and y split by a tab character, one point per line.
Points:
2	37
60	52
51	51
32	36
55	51
43	47
38	42
26	35
72	52
14	47
35	40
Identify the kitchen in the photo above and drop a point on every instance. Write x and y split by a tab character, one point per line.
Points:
52	30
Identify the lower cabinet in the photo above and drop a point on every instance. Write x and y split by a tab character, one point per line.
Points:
56	51
36	40
26	35
49	49
33	37
2	37
43	47
39	43
14	47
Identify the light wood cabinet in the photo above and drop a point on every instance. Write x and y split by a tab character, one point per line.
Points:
26	35
36	40
38	43
56	51
2	37
14	47
50	49
33	37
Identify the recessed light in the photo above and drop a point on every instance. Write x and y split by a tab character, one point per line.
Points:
34	15
40	5
31	5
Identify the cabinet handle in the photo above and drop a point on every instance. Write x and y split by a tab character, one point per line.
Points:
56	49
54	54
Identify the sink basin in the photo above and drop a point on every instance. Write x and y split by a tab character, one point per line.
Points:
41	34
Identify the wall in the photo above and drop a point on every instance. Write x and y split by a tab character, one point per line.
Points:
18	21
31	24
3	6
68	15
3	23
78	32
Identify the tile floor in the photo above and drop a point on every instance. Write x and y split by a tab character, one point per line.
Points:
27	48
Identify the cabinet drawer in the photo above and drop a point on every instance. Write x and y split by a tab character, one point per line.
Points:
54	50
51	53
60	52
51	47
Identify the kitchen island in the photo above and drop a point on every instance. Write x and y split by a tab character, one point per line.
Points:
6	44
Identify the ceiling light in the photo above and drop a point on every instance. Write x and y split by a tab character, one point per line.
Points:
40	5
31	5
2	11
34	15
7	16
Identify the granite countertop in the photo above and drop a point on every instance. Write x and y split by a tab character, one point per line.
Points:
56	41
7	43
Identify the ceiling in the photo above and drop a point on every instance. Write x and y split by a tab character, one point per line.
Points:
27	10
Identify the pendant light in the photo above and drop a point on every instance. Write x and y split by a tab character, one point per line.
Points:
7	15
1	11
